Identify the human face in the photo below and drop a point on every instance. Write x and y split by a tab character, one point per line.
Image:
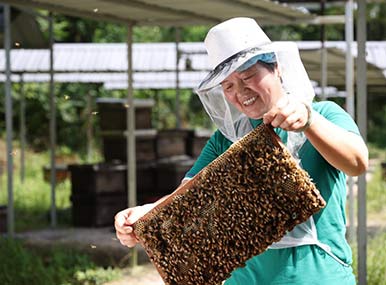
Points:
253	91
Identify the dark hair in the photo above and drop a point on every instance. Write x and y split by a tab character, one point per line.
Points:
271	66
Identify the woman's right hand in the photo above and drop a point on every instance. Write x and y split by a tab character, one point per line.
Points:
124	221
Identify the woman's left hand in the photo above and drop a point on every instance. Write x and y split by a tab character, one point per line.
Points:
342	149
287	115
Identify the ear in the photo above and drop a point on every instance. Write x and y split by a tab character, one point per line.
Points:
278	73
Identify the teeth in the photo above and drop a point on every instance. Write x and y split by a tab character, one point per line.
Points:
249	101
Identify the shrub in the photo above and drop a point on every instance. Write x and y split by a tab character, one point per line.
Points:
58	266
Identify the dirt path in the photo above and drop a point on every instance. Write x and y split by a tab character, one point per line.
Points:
141	275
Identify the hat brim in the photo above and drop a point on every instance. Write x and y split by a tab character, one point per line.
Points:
231	64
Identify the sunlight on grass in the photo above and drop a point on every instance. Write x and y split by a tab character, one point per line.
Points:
32	199
376	196
376	260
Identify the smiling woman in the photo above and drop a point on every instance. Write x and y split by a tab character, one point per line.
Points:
249	84
245	90
250	90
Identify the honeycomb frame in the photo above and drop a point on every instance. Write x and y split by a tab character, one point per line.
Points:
232	210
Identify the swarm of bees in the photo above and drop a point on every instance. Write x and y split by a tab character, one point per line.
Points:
234	209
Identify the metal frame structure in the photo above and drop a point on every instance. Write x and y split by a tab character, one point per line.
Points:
179	13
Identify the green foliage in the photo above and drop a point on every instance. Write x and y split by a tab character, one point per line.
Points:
376	260
376	152
96	276
376	198
376	26
191	110
19	266
57	266
32	199
377	120
73	29
72	114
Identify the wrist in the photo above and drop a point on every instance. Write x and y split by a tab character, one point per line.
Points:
310	118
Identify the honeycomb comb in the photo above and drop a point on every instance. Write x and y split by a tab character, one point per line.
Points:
232	210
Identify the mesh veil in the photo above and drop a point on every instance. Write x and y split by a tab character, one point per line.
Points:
234	124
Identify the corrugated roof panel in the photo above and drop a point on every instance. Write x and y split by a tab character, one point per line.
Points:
375	50
265	11
167	12
376	53
150	57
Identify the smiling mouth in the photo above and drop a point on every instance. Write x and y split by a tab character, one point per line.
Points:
249	101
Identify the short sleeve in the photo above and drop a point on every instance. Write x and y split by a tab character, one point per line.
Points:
209	153
337	115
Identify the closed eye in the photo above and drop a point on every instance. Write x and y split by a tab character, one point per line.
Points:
249	76
227	87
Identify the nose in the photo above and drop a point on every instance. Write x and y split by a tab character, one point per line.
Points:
241	87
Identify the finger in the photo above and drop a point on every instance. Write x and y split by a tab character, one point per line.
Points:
298	125
126	238
125	229
135	215
278	120
129	242
120	217
288	123
267	119
281	116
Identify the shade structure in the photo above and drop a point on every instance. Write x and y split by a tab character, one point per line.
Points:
172	12
336	61
183	12
142	12
154	64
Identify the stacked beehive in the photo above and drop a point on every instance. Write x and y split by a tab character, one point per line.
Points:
162	159
99	190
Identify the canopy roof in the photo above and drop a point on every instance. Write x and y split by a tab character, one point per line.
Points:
172	12
154	64
336	61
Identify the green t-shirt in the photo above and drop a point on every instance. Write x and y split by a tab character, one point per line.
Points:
307	264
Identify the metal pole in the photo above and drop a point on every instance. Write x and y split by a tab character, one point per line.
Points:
22	130
52	126
89	129
323	71
323	55
156	100
362	123
178	113
130	134
349	30
8	119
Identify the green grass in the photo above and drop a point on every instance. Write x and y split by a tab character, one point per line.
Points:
376	197
376	152
376	260
59	266
34	266
32	199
